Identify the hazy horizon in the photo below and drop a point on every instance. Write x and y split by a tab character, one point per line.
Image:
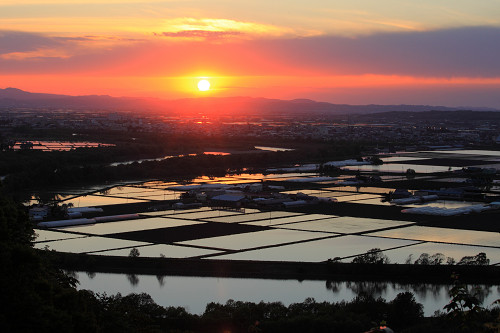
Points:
250	98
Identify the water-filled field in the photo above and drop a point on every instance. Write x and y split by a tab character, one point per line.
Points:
279	234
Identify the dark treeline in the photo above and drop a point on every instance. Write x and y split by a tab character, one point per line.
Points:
135	313
50	171
376	256
128	146
36	169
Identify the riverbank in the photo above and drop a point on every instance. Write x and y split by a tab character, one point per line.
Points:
275	270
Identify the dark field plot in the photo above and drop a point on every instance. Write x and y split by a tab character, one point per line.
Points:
188	232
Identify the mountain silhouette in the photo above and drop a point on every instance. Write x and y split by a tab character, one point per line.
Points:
13	97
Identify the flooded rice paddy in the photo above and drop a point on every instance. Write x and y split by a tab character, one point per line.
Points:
276	235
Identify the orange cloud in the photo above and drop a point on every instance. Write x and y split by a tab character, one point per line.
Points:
210	28
200	34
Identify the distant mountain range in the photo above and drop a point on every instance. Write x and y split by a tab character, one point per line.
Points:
12	97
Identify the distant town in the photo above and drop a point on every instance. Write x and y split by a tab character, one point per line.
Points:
388	131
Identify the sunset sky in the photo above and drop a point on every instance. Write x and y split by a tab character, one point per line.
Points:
444	52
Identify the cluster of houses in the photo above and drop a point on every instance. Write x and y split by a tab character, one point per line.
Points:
255	195
405	197
41	212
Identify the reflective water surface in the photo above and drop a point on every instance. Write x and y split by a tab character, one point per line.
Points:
318	250
396	167
432	234
287	236
194	293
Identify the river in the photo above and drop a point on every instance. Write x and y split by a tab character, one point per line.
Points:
194	293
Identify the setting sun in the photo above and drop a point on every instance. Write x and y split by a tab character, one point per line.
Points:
203	85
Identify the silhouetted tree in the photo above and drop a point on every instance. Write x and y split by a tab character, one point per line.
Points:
373	256
134	253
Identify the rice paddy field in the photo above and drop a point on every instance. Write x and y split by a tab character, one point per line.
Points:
280	235
359	222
